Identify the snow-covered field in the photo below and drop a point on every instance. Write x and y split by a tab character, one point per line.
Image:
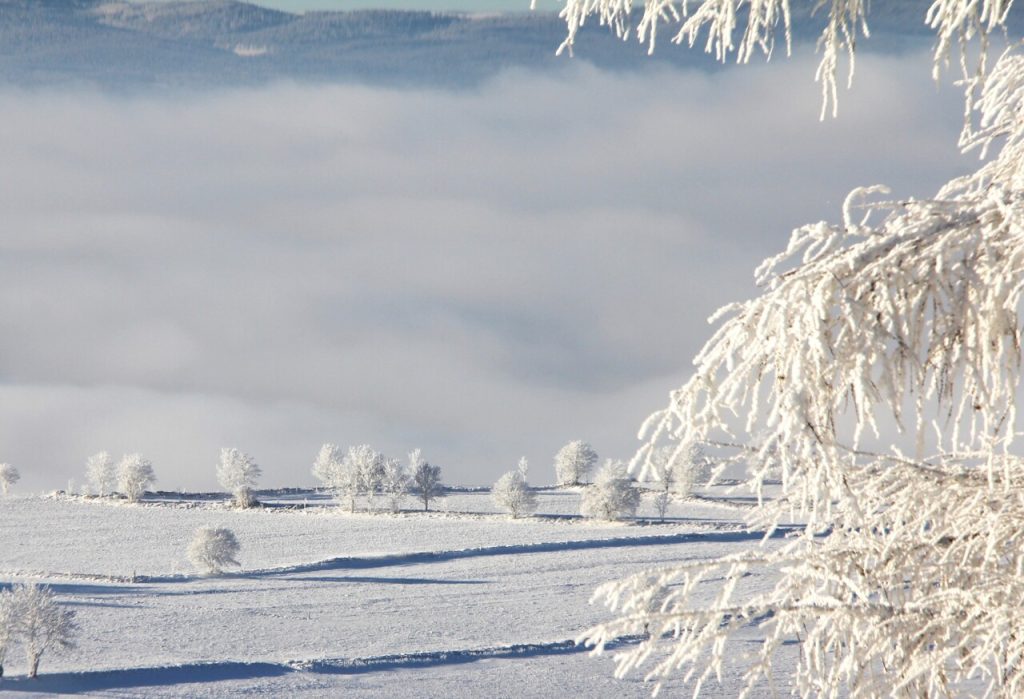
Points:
457	602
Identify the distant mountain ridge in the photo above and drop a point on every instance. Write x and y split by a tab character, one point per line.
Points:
215	42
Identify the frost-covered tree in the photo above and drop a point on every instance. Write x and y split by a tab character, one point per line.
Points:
213	549
741	28
513	494
8	477
40	623
327	463
426	479
877	376
366	467
237	473
101	473
675	472
573	463
134	475
395	483
8	629
613	494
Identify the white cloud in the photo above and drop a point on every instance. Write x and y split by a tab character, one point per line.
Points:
484	274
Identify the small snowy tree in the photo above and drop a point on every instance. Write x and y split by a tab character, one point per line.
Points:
395	483
237	473
512	493
612	495
573	463
213	549
8	477
41	624
134	476
101	473
426	479
8	625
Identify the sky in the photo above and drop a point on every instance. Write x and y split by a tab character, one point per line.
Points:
485	274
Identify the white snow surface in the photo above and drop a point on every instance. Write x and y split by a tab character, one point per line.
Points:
461	602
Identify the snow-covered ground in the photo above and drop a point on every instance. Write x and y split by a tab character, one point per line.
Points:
457	602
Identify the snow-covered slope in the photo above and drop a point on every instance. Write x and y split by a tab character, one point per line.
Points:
456	603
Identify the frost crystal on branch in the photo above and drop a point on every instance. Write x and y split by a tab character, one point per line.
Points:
744	27
907	578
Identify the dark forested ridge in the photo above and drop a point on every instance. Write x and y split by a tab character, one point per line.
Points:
216	42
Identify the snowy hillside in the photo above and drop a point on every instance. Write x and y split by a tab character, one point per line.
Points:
215	42
375	605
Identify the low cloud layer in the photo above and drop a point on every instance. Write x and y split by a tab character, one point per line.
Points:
482	274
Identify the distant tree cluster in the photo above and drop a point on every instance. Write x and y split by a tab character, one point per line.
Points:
363	472
30	617
131	476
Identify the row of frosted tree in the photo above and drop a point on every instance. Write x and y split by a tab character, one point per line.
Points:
384	483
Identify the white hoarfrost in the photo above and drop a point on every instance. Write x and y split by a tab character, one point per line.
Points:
573	463
213	549
101	473
907	575
238	473
8	477
744	27
134	475
512	493
613	494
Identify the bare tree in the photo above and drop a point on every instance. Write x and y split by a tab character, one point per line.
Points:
8	477
426	479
